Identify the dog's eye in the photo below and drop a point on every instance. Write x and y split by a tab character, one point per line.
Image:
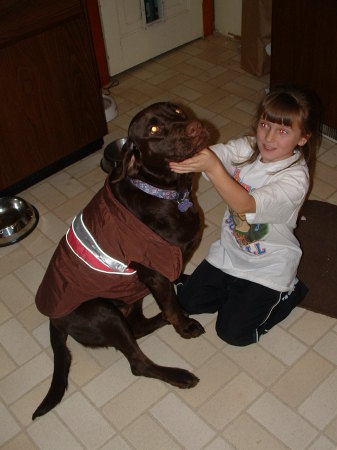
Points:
154	129
179	111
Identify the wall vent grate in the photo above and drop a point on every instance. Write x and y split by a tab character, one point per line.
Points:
329	132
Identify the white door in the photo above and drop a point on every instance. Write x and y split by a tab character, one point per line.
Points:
138	30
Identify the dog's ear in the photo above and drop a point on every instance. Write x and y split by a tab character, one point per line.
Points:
131	161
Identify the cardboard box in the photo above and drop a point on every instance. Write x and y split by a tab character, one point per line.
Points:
255	36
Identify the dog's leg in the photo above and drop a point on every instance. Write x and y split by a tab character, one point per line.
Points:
99	323
141	325
62	361
163	292
184	325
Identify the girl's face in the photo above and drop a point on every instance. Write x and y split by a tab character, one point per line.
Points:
276	141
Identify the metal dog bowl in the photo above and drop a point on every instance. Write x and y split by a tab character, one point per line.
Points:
112	155
18	218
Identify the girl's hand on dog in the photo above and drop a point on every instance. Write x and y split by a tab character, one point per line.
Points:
203	161
230	190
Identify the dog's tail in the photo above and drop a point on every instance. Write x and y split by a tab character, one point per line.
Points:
62	361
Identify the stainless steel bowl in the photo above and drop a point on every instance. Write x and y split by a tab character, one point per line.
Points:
112	155
18	218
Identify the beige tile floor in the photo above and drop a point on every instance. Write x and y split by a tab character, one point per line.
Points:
278	394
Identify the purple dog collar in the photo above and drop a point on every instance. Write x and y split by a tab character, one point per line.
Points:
182	198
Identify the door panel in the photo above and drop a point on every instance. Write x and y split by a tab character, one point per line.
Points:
304	46
130	41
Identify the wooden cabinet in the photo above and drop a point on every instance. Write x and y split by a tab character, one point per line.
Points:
51	105
304	49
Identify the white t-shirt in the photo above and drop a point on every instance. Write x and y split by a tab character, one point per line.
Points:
261	246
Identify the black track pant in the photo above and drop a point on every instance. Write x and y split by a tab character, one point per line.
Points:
245	309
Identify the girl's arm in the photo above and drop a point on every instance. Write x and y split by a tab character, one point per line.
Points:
230	190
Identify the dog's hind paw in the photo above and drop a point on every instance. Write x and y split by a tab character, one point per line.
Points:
183	379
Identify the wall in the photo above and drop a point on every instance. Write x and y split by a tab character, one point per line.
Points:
227	16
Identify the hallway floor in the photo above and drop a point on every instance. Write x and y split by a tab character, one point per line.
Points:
277	394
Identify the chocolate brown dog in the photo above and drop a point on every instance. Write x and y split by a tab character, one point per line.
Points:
132	239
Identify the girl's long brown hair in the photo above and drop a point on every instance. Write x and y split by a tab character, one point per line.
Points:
287	104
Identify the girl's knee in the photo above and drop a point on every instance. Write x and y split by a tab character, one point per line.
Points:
236	337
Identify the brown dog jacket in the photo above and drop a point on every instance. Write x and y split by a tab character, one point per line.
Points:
75	275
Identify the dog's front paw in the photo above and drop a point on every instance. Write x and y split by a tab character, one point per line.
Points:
190	328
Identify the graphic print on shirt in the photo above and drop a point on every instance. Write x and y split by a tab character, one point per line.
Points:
245	233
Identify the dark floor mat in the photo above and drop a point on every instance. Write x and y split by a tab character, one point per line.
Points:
317	233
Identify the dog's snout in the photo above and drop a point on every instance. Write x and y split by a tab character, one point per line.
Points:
194	128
